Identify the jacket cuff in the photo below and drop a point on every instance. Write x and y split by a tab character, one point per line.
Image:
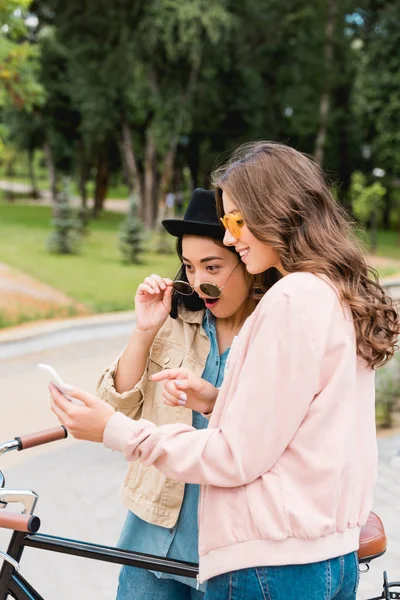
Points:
106	390
119	430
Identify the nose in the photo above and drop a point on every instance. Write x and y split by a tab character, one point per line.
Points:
196	281
229	240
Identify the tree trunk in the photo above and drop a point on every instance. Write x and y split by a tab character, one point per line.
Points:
84	171
324	105
150	181
343	126
167	172
51	170
169	160
101	183
155	193
387	209
193	161
8	193
32	177
135	179
83	176
374	231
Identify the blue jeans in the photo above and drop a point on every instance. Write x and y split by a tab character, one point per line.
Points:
140	584
336	579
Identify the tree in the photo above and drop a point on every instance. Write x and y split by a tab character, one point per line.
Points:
65	236
18	58
20	89
95	38
377	87
325	99
159	87
25	134
132	71
131	235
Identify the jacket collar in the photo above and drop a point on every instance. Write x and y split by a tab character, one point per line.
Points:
191	316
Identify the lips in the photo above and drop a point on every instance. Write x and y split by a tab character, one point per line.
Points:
243	254
210	302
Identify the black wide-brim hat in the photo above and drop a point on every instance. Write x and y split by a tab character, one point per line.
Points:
200	218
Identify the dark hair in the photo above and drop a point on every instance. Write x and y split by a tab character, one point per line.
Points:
286	203
260	284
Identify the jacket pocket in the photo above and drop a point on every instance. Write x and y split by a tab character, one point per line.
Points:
163	356
267	513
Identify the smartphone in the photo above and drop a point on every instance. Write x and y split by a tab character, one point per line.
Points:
54	378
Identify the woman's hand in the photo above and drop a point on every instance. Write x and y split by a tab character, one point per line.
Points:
84	422
185	388
153	303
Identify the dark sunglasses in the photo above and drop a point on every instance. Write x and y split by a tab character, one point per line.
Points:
212	290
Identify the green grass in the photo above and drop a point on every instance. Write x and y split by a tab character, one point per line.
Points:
388	244
388	271
24	317
95	277
116	190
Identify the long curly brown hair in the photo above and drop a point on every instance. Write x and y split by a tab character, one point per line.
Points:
286	202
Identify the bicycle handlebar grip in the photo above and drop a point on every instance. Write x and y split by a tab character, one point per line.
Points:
17	522
39	438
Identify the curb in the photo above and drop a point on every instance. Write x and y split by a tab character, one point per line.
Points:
100	321
29	330
390	282
391	285
37	337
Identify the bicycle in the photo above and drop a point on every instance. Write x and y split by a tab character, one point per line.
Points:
25	527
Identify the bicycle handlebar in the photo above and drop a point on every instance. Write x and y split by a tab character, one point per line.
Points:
30	440
17	522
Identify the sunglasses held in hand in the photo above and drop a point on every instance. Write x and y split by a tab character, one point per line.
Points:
212	290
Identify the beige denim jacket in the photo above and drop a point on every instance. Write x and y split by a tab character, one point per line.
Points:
180	342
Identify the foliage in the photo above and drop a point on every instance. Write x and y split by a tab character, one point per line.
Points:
187	81
376	91
387	390
19	86
366	199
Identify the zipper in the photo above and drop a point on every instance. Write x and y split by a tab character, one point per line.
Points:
198	582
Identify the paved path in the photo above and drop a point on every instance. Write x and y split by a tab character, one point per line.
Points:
78	481
115	205
387	506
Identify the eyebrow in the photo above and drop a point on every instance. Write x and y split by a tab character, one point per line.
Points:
203	260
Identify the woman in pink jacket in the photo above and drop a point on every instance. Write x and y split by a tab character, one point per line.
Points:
288	463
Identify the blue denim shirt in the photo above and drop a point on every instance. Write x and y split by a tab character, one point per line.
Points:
180	542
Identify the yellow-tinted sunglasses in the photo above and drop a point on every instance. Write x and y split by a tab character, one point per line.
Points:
233	222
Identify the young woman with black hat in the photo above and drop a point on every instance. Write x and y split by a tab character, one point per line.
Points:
173	329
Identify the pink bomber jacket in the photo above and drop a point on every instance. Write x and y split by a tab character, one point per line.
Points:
288	463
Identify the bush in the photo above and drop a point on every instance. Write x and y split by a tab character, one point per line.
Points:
66	236
387	391
132	235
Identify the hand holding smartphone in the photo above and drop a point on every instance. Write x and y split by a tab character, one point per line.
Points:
54	378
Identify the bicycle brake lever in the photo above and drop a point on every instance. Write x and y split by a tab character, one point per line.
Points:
26	497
